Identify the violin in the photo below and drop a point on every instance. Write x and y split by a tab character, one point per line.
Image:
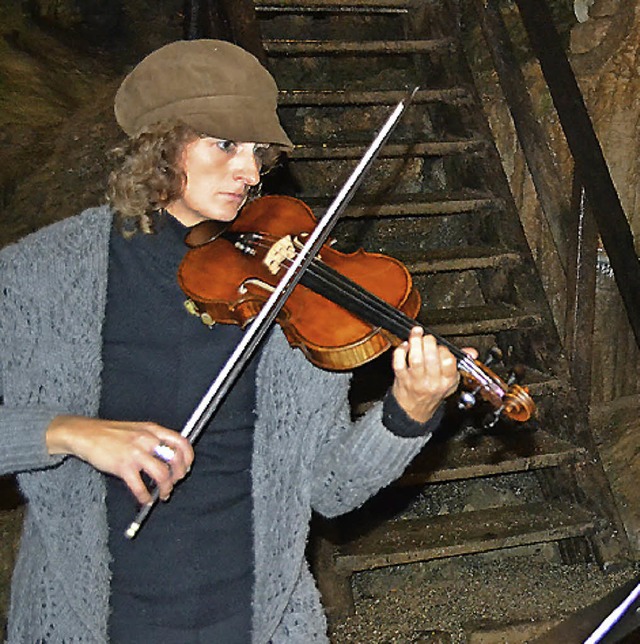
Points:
346	310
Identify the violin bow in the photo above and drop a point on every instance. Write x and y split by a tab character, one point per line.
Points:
223	382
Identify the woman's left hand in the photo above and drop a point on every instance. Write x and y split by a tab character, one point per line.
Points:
425	374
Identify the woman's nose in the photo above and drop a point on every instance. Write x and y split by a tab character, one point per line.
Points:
248	169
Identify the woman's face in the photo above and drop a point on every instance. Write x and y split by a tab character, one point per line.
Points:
219	174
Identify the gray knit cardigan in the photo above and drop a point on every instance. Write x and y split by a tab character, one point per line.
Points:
307	452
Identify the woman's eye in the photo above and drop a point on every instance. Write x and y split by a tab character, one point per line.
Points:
227	146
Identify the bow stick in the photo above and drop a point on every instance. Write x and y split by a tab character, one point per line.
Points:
276	301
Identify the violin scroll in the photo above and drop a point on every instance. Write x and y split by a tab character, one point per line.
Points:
518	404
507	399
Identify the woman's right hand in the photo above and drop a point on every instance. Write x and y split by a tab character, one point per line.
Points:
124	449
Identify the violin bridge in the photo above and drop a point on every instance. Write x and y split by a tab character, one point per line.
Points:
279	253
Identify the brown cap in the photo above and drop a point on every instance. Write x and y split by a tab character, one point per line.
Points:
214	86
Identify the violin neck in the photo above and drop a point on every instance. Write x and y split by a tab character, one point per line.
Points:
370	308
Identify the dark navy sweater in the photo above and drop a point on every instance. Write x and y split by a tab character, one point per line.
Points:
187	576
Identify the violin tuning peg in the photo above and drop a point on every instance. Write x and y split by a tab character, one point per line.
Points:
466	400
491	419
493	355
516	375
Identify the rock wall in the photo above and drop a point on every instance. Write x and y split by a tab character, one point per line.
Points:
605	54
606	57
60	64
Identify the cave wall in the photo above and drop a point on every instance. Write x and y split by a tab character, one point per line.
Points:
60	64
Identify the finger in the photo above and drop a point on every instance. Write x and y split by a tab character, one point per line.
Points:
180	453
471	352
430	356
139	490
400	358
449	371
416	355
164	453
183	454
447	361
413	356
417	361
161	475
158	472
173	459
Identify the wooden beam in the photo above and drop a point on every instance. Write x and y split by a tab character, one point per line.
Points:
591	165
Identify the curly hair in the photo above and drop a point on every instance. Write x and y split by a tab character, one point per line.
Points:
149	174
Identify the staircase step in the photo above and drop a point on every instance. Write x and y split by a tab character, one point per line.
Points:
479	456
478	320
421	208
321	98
357	6
548	387
463	259
412	205
277	47
311	152
412	540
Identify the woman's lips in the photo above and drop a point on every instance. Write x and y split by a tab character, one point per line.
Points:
234	196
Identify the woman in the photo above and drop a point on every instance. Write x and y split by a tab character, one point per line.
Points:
101	367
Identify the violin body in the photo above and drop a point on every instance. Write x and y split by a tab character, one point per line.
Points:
231	286
346	309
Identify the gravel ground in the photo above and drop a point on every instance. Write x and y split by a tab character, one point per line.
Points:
449	600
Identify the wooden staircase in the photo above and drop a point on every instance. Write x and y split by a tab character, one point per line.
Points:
438	200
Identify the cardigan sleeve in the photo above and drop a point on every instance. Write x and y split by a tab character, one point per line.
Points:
396	420
355	459
22	427
23	440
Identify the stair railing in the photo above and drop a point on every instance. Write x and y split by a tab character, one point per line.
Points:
594	210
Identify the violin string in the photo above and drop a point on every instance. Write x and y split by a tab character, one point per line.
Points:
345	292
379	308
351	296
